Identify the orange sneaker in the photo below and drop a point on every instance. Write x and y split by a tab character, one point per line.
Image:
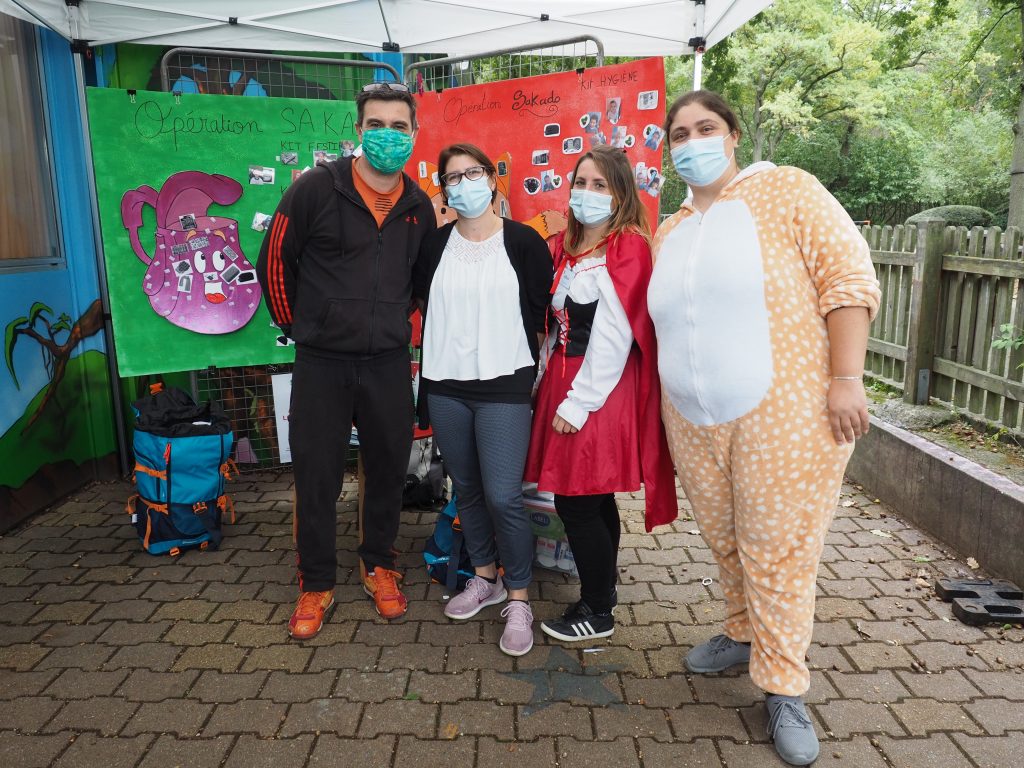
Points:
308	616
382	585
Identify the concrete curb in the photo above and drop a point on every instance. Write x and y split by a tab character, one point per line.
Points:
965	505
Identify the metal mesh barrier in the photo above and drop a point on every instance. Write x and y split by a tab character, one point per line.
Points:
556	56
235	73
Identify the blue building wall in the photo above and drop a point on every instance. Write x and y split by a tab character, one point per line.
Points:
56	418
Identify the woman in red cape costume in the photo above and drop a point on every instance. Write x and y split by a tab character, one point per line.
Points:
597	426
629	266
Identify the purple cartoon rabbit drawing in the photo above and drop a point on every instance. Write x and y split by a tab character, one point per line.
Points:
198	278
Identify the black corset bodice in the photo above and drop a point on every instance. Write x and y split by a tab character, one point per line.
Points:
581	320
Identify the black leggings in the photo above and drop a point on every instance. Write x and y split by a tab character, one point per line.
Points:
592	527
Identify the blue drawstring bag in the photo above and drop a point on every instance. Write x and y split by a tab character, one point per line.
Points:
445	546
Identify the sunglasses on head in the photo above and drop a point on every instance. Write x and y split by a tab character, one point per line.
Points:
398	87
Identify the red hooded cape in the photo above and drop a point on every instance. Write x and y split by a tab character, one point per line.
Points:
628	258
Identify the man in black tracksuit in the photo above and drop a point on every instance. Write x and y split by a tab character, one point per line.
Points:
335	268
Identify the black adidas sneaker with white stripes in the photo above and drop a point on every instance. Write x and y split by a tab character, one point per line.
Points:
579	623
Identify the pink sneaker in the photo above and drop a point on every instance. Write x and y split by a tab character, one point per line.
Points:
517	639
478	594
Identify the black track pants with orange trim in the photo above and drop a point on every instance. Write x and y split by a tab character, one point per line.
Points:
328	396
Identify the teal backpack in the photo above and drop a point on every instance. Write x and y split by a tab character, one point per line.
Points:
182	459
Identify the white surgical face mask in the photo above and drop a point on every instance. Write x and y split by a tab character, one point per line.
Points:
701	161
590	208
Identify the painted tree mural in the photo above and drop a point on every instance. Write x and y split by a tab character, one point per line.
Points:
39	326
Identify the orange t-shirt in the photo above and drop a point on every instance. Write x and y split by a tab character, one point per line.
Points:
379	203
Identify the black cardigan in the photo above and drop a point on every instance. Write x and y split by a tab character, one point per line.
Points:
530	258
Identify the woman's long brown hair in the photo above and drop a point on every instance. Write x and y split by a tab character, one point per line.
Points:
628	213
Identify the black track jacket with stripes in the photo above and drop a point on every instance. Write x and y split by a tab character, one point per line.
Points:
334	282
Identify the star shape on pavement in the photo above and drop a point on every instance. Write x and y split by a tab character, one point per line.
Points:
563	679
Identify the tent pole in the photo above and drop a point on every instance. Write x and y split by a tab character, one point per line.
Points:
101	269
698	69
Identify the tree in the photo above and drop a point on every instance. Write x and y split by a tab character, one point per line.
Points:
797	64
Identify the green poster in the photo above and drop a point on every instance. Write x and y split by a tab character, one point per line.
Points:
186	186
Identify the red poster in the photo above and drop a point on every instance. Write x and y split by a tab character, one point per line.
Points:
535	128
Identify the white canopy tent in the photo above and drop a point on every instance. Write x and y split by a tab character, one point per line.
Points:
452	27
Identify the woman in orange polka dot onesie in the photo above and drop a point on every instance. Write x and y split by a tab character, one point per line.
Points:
761	297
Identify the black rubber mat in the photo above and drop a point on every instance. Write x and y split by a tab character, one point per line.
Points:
983	601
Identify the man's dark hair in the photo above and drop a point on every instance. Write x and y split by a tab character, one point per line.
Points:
384	94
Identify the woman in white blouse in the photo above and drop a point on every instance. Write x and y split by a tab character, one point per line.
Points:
483	282
596	428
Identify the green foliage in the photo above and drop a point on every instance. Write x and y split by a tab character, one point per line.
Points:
1010	337
957	215
10	338
38	309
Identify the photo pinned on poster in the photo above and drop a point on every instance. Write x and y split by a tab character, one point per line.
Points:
185	284
246	277
187	221
654	180
568	177
183	267
646	100
532	185
630	141
320	157
260	174
296	172
348	148
613	109
549	181
552	129
229	274
261	222
289	158
502	168
619	133
230	252
421	169
640	175
572	145
591	122
653	134
284	341
541	157
597	139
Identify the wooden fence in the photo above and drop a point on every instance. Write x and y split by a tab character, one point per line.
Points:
946	291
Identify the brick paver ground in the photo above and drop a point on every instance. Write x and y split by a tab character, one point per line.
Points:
111	657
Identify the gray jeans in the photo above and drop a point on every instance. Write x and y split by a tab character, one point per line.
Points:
484	450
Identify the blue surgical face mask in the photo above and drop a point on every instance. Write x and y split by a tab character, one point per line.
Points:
701	161
470	198
590	208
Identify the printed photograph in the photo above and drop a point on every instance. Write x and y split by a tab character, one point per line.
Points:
572	145
612	108
647	100
260	174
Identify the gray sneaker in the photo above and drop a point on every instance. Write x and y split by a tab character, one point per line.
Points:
717	654
478	594
517	639
791	729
